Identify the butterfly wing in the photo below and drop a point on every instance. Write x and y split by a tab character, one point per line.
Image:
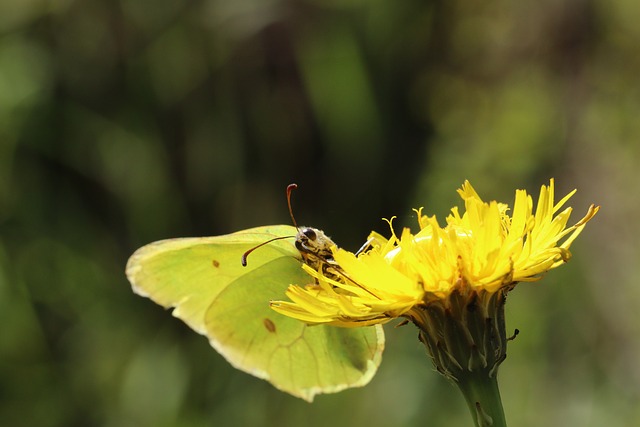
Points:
216	296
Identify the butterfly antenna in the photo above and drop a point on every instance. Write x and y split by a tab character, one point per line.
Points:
243	260
290	188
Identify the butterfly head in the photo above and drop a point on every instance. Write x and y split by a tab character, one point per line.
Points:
314	246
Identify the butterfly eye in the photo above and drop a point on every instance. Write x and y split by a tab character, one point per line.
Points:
309	233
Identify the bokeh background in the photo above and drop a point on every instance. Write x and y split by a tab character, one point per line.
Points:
124	122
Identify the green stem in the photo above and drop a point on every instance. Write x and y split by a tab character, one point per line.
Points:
483	399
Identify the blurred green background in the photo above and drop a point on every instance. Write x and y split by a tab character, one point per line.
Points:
124	122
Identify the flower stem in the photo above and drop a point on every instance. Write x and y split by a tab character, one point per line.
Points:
483	399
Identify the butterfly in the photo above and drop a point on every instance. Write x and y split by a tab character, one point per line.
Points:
205	282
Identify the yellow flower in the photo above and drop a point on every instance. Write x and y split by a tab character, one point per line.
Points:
450	281
482	252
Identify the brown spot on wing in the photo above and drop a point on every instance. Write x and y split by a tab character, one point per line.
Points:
215	263
268	323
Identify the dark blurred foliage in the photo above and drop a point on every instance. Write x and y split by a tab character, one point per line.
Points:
124	122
